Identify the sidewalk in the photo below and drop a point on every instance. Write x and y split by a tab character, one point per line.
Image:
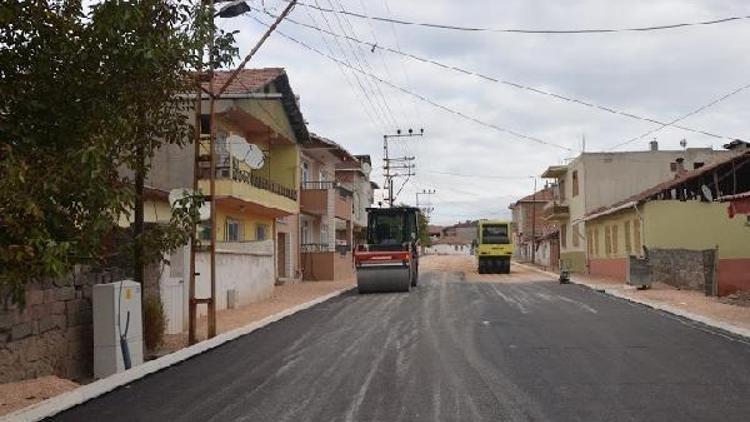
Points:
284	297
22	394
713	311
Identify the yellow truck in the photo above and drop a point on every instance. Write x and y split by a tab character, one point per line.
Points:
493	247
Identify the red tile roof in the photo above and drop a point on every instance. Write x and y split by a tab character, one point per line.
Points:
248	80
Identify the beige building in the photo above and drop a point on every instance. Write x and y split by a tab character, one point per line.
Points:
597	179
325	220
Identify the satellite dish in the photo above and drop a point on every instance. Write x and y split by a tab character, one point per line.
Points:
707	193
366	168
175	195
246	152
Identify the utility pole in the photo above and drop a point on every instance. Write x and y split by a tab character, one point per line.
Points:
533	223
428	192
397	167
232	10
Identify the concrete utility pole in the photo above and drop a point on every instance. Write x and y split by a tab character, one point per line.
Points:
232	10
429	192
397	167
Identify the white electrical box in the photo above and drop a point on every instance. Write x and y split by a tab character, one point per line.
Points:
112	303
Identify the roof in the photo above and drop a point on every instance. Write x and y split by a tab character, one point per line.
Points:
545	195
317	141
250	81
364	159
742	195
664	186
554	172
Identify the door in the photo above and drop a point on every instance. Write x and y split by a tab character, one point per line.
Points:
281	255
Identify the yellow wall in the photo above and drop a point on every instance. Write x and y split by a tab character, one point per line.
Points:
626	224
271	113
695	225
248	221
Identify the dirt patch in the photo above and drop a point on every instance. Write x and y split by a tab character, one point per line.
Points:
737	299
466	265
17	395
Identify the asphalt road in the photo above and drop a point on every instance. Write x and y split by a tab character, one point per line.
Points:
515	347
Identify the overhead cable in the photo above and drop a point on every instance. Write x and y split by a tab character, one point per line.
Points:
579	31
516	85
419	96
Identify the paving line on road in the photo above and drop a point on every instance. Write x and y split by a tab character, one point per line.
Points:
84	393
738	334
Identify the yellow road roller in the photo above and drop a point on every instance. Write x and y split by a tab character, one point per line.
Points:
493	247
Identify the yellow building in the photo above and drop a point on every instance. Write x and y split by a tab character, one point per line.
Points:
677	217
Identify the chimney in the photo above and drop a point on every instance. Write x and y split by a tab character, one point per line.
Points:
653	145
680	166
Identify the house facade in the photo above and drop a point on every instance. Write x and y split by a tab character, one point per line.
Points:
594	180
529	224
255	242
355	175
673	225
325	221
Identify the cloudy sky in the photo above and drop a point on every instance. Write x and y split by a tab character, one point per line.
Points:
661	75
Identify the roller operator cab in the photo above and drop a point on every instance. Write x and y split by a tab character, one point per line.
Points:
493	247
389	261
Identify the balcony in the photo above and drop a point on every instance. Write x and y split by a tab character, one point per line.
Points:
321	261
555	211
318	198
246	189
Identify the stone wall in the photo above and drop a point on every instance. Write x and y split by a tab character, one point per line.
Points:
52	333
683	268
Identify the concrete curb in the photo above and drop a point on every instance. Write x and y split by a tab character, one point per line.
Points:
711	322
84	393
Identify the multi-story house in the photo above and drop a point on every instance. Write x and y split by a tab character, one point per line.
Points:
325	220
596	179
529	225
258	111
355	175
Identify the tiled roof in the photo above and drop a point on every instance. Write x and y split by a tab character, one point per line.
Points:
546	194
247	81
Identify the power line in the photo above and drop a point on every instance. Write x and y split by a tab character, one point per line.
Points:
531	31
683	117
516	85
421	97
477	176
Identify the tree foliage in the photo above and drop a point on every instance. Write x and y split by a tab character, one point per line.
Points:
85	94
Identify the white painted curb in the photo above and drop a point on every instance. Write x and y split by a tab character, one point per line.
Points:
711	322
84	393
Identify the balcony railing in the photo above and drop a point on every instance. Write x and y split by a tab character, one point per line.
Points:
228	167
315	247
318	185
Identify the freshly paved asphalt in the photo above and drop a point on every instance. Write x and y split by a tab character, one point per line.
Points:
456	349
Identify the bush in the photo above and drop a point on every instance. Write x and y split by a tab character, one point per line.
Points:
154	322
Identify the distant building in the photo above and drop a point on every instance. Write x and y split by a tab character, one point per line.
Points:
529	225
466	231
449	246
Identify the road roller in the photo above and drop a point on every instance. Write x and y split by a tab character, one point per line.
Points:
389	260
493	247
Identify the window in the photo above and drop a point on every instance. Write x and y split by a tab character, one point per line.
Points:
575	183
562	189
607	241
673	167
697	165
205	124
626	233
305	232
495	234
261	232
637	236
324	233
204	232
576	236
232	230
615	246
596	241
305	172
564	236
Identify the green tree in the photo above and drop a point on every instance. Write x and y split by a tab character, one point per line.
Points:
86	97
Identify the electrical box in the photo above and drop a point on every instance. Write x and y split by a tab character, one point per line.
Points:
117	314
